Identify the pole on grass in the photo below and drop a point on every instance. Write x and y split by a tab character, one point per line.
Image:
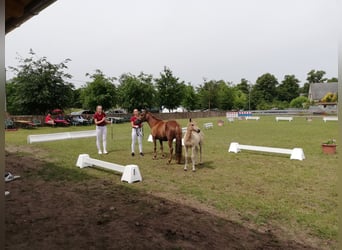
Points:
111	129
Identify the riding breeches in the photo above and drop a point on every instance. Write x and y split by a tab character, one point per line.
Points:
101	131
137	134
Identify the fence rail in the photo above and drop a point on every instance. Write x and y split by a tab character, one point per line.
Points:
207	114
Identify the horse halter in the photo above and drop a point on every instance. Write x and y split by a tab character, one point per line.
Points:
142	116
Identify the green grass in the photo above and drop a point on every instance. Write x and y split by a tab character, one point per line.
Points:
262	188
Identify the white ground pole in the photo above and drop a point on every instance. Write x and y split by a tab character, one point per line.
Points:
130	173
295	153
150	139
60	136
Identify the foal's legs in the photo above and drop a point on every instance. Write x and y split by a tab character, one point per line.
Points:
200	151
193	157
186	159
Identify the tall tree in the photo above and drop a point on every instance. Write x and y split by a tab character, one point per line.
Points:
170	89
313	76
333	79
99	91
288	89
136	91
316	76
240	99
208	94
76	98
225	95
40	85
264	91
11	105
190	98
243	86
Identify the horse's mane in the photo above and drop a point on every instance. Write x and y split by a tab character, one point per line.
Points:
156	118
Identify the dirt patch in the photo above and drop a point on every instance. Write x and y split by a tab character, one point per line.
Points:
99	214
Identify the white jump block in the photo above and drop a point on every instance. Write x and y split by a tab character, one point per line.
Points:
150	139
284	118
130	174
295	153
257	118
184	129
208	125
330	118
60	136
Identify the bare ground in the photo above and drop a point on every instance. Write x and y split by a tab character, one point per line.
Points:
99	214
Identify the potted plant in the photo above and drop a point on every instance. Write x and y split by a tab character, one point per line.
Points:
329	147
220	123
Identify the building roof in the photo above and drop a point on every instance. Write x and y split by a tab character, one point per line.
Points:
318	90
19	11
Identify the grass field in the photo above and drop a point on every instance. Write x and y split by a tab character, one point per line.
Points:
258	189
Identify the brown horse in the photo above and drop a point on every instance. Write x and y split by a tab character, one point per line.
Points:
164	131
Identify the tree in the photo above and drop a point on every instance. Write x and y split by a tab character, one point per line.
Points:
240	99
11	104
225	96
316	76
40	86
330	97
100	91
243	86
190	98
299	102
288	89
76	98
313	76
264	91
332	79
170	90
136	91
207	93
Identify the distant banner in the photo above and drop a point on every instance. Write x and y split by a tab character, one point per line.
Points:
238	114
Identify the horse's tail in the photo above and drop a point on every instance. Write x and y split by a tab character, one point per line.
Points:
178	144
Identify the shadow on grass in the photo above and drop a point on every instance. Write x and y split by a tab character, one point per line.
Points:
258	153
204	165
94	213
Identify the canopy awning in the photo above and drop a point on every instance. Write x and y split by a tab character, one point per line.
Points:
19	11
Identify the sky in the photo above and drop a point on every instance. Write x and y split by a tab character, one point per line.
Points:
197	39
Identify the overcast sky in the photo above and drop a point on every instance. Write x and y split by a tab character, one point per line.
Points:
196	39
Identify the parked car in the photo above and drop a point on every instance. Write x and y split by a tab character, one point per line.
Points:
83	112
86	114
79	120
116	119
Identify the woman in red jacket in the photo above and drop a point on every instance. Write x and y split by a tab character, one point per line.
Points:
101	129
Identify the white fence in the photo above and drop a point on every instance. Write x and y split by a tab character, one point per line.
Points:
208	125
330	118
131	173
60	136
284	118
257	118
295	153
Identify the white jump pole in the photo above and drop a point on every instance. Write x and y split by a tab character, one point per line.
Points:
295	153
130	174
